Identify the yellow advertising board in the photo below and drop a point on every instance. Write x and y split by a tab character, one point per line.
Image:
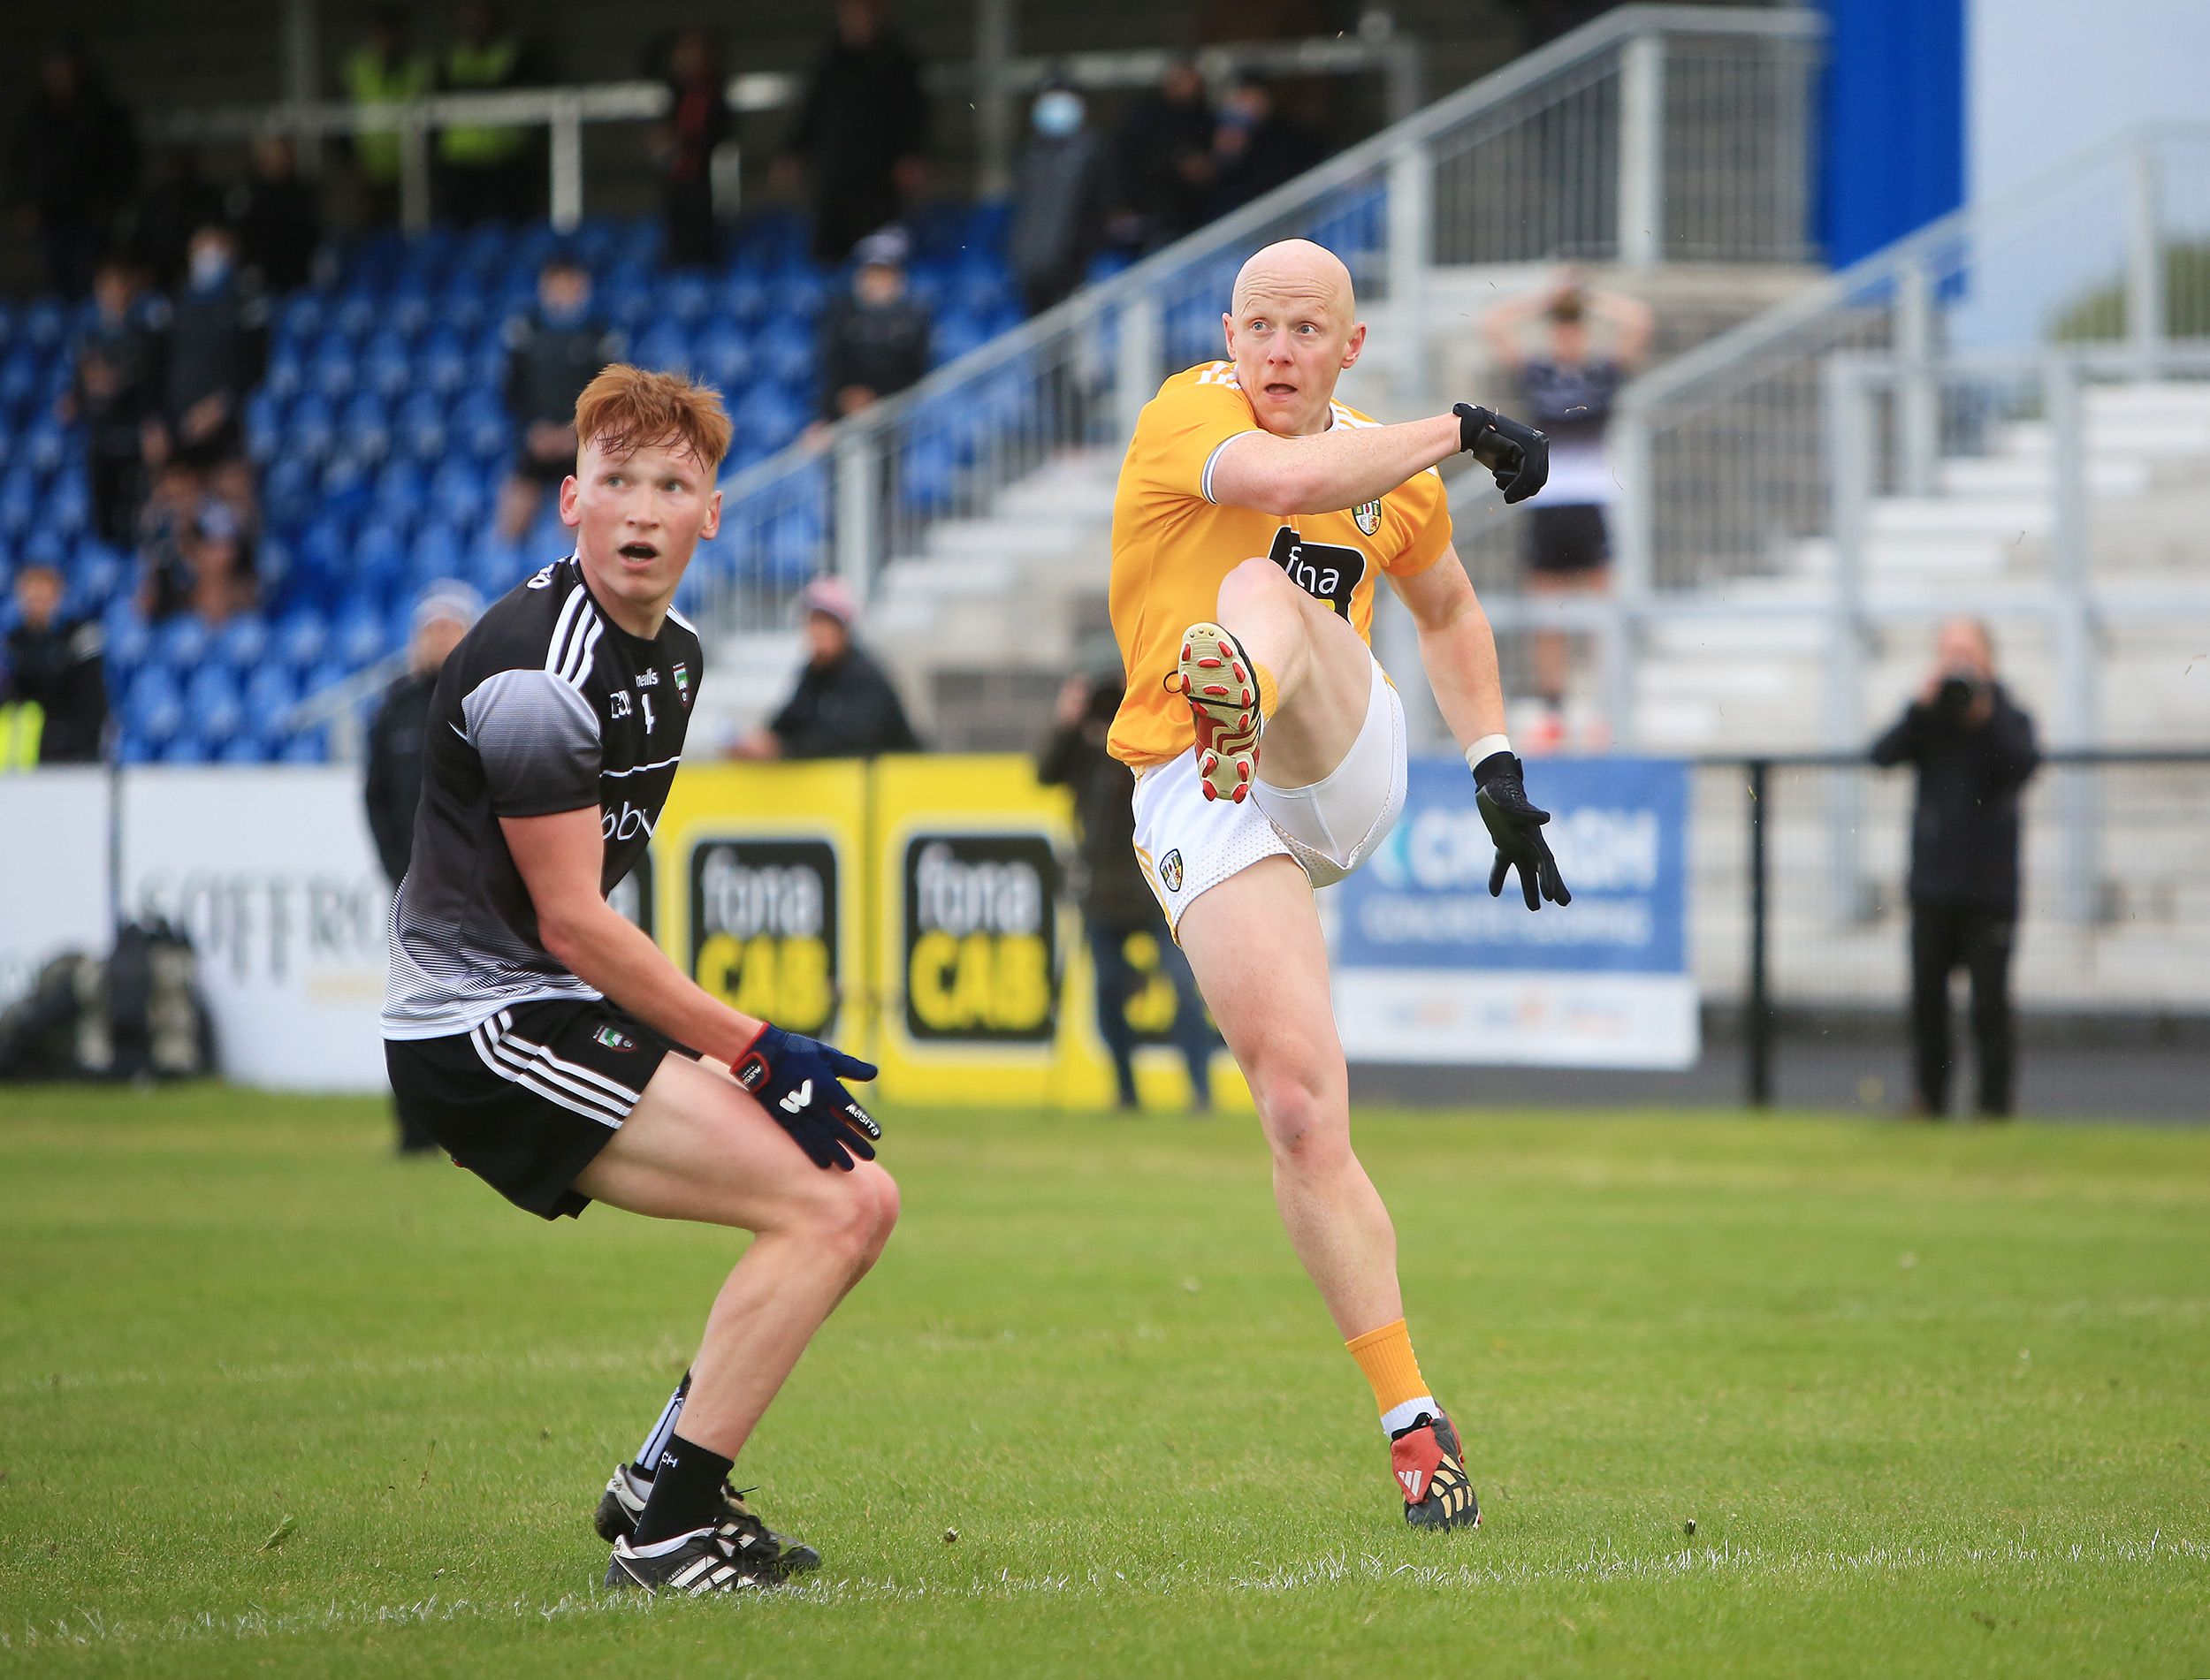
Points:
759	891
914	911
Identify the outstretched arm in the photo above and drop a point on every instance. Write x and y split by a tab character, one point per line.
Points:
1340	468
1457	648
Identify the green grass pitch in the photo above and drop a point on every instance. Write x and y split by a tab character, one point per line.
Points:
1935	1401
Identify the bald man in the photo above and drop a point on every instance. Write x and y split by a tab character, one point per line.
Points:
1254	514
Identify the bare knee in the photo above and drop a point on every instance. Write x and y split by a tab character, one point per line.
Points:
1252	581
878	1193
1306	1110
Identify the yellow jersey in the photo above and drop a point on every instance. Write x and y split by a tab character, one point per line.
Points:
1173	544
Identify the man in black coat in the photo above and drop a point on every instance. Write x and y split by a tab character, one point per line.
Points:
1973	749
111	393
72	165
214	351
843	706
392	788
874	339
861	131
1162	168
54	664
552	353
1115	901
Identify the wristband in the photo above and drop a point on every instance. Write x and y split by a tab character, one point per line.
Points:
1486	747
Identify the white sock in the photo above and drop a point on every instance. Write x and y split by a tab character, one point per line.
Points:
661	1548
648	1456
1404	1416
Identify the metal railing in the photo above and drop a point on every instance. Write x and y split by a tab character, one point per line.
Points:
1656	104
564	113
2114	915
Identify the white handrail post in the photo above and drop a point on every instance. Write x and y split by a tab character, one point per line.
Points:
1633	532
1137	373
857	506
2145	257
414	169
1641	148
2072	629
1848	401
567	195
1919	422
302	56
1411	253
993	97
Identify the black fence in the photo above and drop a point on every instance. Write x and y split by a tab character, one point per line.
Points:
1801	922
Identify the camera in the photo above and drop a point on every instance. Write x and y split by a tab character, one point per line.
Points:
1960	689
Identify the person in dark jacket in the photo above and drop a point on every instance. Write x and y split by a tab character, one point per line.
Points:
485	169
54	664
1058	198
843	706
552	353
111	393
391	790
874	339
1973	749
683	147
861	131
214	351
1117	908
1162	165
1257	148
278	224
72	166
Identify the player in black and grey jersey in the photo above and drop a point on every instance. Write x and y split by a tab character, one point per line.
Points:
528	1024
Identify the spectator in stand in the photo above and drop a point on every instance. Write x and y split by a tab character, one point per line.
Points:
683	147
53	663
111	391
874	339
861	132
278	221
1117	906
177	203
213	353
552	353
196	549
218	556
1974	750
72	166
1162	169
380	72
483	169
1571	348
1256	147
1058	198
843	706
391	789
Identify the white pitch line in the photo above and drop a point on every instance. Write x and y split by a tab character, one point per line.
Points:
89	1629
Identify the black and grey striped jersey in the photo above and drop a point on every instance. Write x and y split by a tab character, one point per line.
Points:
547	705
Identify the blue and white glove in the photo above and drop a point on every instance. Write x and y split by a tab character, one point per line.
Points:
798	1081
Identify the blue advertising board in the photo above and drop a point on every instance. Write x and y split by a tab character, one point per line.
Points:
1430	968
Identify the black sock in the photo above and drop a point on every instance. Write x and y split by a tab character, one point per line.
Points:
686	1492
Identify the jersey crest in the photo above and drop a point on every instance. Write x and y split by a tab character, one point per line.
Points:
1367	515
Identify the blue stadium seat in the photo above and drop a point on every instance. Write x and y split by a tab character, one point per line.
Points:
153	704
744	299
271	691
435	553
302	315
129	638
928	471
184	747
665	346
954	335
768	418
345	480
44	323
67	513
243	643
301	640
386	368
400	489
264	426
365	426
360	640
419	428
796	293
460	492
287	375
47	447
95	573
308	747
332	371
725	359
20	501
182	642
243	750
311	430
379	554
685	299
355	317
786	356
131	745
328	674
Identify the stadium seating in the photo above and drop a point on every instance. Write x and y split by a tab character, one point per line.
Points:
381	440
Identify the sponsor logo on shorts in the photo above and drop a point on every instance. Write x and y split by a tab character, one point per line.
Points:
1368	517
1170	871
615	1039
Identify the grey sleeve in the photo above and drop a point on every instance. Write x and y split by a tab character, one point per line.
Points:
538	739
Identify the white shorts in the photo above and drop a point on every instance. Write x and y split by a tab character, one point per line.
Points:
1188	844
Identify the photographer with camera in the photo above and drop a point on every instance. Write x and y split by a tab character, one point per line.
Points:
1974	749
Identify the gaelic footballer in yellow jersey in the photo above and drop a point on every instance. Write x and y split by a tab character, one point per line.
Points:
1255	518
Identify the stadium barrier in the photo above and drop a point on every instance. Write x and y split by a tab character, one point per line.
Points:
914	910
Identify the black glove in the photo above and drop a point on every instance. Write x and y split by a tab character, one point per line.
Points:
798	1082
1517	828
1518	455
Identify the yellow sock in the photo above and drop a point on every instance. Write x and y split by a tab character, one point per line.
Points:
1399	1390
1269	696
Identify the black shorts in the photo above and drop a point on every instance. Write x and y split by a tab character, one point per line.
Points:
528	1099
1567	540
